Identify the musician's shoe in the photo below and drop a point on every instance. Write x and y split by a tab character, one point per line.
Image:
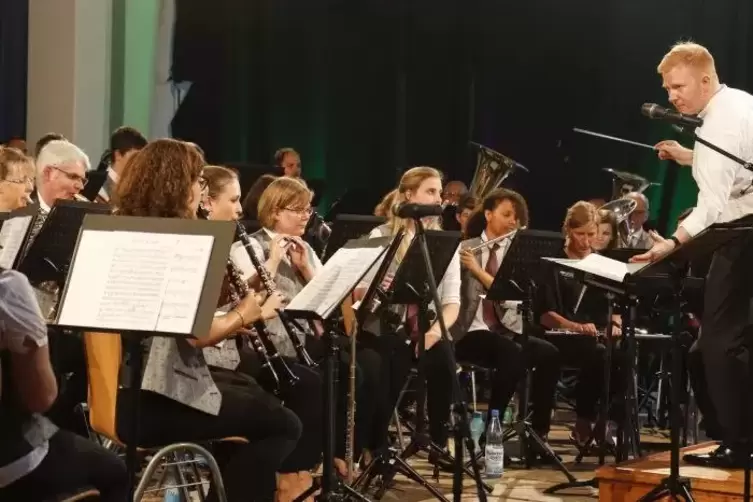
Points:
724	457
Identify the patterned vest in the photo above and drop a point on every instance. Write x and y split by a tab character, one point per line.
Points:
289	284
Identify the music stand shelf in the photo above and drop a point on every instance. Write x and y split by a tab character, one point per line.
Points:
198	282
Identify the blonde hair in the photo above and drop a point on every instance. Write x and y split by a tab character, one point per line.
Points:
384	208
409	182
13	160
579	214
689	54
282	193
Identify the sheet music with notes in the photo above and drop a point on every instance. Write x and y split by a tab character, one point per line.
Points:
601	266
340	274
12	238
136	281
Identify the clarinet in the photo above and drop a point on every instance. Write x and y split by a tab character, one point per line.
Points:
254	341
280	373
270	287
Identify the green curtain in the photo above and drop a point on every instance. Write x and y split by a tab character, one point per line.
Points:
365	89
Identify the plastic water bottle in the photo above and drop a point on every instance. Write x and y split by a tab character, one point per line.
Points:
172	494
494	453
477	428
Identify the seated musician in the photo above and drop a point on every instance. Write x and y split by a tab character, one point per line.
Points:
607	234
221	201
38	461
250	203
179	399
465	209
485	334
124	142
16	179
421	185
284	210
567	305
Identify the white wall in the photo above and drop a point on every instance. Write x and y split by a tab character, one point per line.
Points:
69	72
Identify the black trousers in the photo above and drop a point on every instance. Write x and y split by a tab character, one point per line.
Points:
247	411
72	463
503	353
305	400
724	328
697	376
395	360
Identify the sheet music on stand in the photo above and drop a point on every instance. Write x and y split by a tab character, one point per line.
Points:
145	275
337	278
347	227
15	229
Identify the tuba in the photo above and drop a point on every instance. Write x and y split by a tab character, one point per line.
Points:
492	168
621	208
624	182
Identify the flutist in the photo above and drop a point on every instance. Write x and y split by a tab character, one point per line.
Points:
485	333
724	193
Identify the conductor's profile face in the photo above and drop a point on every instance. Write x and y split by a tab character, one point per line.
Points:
689	88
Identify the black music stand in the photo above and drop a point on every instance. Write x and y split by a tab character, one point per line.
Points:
49	255
95	234
347	227
15	227
415	283
674	265
339	278
517	279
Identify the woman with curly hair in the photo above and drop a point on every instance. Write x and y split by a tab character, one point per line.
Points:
179	399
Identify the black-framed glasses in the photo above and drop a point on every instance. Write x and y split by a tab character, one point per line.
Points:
203	183
73	177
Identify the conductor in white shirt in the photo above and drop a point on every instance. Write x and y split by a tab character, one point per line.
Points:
724	194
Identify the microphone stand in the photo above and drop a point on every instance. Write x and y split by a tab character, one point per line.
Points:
686	130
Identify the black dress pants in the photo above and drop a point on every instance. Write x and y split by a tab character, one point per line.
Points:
305	400
724	328
503	353
249	470
396	358
698	379
72	463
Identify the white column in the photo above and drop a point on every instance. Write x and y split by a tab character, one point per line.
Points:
69	72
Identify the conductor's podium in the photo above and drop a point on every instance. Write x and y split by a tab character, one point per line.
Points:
629	481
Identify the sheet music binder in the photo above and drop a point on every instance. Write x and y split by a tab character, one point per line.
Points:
222	233
411	277
30	211
347	227
345	289
49	255
522	262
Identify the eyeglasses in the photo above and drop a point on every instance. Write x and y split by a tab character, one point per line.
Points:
22	181
71	176
301	212
203	183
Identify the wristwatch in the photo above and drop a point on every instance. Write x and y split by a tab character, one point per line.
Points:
676	241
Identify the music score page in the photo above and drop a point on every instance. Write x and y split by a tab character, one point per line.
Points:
136	281
339	275
601	266
12	238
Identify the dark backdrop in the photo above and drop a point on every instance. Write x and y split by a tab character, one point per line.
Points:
13	56
365	89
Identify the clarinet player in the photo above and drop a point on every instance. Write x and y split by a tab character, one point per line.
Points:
724	194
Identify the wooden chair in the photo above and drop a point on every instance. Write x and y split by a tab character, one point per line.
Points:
103	360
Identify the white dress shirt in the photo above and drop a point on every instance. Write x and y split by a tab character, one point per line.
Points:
724	186
511	319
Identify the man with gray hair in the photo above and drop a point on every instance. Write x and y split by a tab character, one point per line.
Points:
637	237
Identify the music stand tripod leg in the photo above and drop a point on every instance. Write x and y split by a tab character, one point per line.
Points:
674	486
332	488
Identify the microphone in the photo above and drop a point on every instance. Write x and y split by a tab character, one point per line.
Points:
415	211
654	111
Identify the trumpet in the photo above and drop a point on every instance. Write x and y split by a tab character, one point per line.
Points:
490	242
